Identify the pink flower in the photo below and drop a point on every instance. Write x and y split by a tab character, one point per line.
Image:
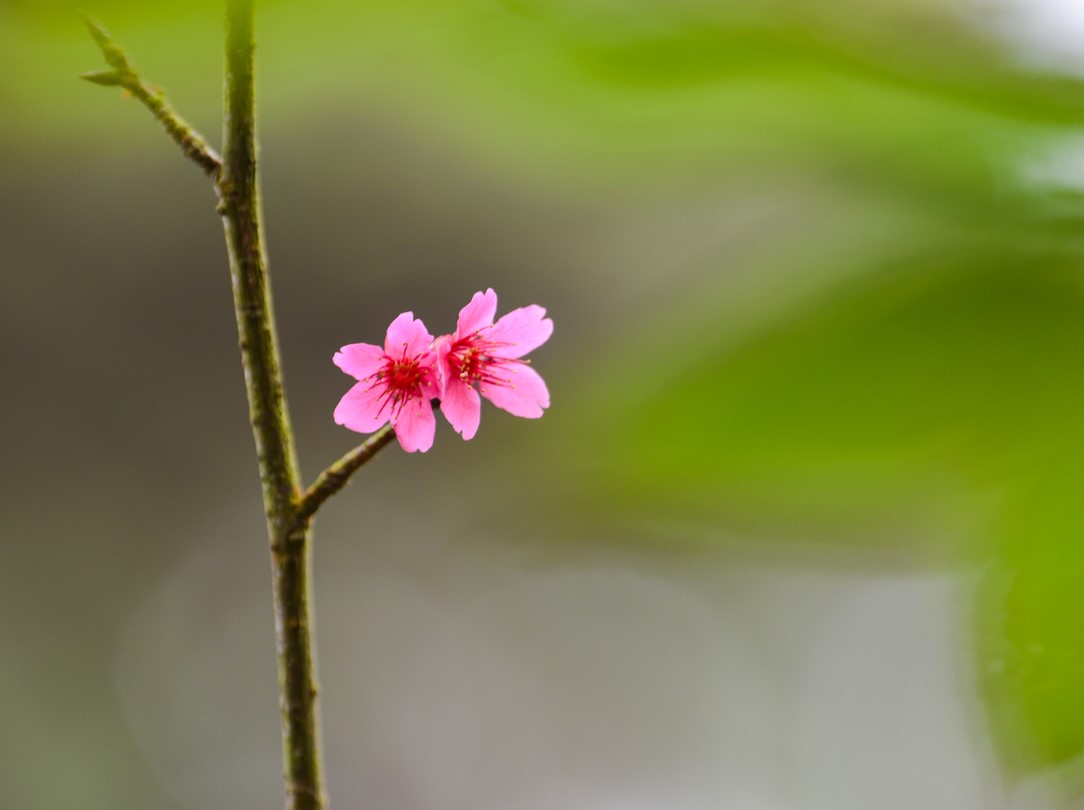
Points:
395	384
489	355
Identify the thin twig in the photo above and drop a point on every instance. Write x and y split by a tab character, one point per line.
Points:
123	74
338	474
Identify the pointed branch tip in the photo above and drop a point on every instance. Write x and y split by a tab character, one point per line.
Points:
194	146
97	30
112	52
105	78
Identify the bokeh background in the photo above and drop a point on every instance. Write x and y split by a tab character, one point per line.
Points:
803	528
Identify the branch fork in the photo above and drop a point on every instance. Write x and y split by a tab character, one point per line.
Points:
197	149
288	508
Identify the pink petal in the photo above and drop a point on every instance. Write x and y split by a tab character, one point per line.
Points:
359	360
524	395
477	314
520	331
442	346
362	409
462	407
415	425
406	334
431	387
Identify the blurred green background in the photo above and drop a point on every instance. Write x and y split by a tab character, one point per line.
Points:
803	527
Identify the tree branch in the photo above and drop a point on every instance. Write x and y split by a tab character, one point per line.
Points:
338	474
290	538
289	513
123	74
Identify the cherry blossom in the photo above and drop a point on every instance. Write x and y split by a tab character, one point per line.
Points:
491	356
396	384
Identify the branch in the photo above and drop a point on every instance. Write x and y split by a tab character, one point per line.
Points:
123	74
290	539
338	474
288	512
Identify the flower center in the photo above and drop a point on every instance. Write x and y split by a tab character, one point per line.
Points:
403	379
471	360
404	376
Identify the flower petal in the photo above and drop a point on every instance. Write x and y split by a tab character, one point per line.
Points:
525	394
407	335
415	425
362	408
441	348
462	407
433	375
520	331
477	314
359	360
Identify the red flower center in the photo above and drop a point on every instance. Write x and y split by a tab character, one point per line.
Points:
471	361
404	376
403	379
